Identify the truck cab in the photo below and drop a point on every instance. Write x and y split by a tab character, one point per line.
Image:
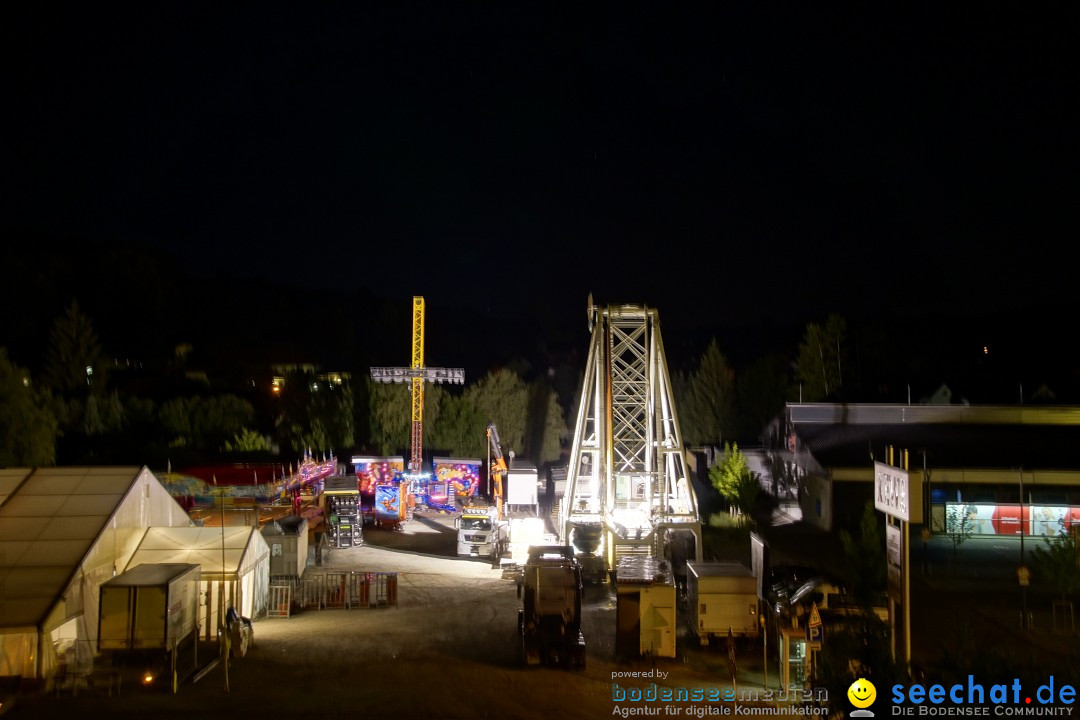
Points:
480	533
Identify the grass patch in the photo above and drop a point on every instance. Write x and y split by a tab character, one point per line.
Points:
724	537
723	520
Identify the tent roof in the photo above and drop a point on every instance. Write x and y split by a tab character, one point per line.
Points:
50	518
152	575
202	546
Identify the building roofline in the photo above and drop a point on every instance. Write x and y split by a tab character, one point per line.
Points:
901	414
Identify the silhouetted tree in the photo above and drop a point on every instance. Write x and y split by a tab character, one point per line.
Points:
1055	563
314	414
500	397
860	647
205	423
390	412
247	441
704	399
458	426
761	390
959	526
866	571
74	362
28	427
820	363
553	431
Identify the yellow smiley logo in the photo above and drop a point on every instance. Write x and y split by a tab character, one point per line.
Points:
862	693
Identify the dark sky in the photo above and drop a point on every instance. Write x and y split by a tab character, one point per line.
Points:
731	164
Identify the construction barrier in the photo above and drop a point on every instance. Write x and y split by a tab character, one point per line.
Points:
318	591
312	591
335	590
372	589
280	601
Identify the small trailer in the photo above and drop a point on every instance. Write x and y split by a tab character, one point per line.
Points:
722	600
148	615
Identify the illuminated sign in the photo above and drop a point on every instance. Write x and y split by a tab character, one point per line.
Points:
454	376
891	491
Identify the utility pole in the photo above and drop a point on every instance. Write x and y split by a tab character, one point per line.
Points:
222	624
927	520
1022	571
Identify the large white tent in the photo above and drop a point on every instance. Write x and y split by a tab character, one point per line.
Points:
63	532
235	563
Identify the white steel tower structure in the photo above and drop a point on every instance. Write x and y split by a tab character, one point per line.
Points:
627	491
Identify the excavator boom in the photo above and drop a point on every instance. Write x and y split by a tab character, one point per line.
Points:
497	470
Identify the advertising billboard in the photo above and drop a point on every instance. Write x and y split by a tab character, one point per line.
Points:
372	471
461	476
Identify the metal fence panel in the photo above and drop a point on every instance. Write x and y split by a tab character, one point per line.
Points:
318	591
280	601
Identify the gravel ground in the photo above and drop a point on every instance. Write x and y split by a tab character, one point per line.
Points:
448	649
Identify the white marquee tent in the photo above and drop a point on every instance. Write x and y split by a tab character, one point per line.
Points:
63	532
235	563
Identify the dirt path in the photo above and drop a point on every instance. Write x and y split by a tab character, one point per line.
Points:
449	649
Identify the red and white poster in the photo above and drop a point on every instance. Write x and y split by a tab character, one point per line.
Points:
1038	520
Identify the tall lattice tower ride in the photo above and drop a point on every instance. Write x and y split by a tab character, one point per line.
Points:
627	490
417	375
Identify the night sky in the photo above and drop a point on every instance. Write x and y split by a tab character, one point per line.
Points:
736	165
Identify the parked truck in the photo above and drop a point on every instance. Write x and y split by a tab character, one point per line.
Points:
481	532
549	619
722	600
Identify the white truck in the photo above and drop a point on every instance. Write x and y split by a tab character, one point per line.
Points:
721	600
480	533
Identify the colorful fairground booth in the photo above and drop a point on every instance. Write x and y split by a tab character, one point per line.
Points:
386	472
453	479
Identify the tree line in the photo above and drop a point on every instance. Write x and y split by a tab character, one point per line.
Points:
84	408
75	413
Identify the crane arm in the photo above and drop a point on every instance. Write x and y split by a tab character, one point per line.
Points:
493	438
498	467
